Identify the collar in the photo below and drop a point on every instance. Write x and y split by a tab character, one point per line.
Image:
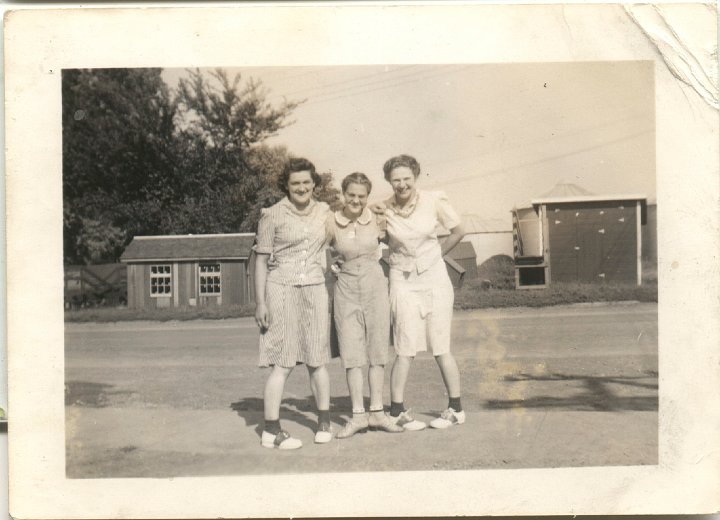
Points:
291	207
408	209
364	218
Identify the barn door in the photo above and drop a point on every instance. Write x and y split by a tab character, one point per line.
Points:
590	240
619	260
576	244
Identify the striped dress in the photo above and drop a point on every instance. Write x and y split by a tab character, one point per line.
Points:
295	291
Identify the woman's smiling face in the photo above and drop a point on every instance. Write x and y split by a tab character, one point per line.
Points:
402	181
300	188
356	196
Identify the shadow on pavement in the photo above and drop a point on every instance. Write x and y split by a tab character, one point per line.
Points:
598	395
301	411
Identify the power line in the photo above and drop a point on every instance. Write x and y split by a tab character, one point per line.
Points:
525	144
474	177
410	78
351	80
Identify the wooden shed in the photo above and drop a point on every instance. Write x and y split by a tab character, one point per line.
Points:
464	255
189	270
569	235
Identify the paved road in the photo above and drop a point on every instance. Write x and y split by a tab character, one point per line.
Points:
564	386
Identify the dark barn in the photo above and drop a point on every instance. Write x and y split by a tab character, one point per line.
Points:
189	270
578	237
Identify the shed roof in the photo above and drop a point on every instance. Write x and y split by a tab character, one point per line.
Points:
229	246
590	198
566	192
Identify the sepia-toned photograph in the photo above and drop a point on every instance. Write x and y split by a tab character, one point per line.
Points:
179	187
375	260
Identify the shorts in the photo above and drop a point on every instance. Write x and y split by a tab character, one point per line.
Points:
422	309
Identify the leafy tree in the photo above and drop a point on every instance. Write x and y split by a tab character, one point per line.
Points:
118	158
139	159
269	162
220	121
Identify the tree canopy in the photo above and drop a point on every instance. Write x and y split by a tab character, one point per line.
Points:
142	159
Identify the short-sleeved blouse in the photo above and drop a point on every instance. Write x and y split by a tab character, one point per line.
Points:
297	242
413	241
355	239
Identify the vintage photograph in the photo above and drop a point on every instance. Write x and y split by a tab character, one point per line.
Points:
376	260
499	218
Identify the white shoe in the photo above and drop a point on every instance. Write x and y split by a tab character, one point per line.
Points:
324	434
406	421
281	441
447	419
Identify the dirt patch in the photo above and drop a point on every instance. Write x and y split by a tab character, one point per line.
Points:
94	395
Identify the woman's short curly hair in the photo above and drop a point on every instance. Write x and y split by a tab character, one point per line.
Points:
356	178
401	160
296	164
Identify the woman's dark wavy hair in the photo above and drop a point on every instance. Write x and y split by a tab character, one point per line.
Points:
356	178
401	160
297	164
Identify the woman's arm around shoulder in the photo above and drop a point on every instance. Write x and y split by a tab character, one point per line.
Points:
378	207
450	220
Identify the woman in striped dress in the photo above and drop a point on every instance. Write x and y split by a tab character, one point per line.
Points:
292	299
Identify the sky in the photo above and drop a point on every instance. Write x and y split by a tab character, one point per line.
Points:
491	136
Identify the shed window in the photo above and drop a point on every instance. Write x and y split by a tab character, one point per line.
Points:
209	278
160	280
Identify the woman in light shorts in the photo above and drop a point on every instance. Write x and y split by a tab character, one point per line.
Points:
361	305
421	294
292	299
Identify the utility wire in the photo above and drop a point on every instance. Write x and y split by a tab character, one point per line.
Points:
411	78
351	80
478	176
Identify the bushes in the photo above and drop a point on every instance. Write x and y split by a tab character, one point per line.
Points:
498	270
472	296
494	287
183	313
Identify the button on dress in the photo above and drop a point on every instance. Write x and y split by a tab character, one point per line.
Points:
361	305
421	293
295	291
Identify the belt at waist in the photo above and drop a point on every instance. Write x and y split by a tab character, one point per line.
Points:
360	264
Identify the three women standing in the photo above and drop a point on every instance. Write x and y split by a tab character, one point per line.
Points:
292	299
